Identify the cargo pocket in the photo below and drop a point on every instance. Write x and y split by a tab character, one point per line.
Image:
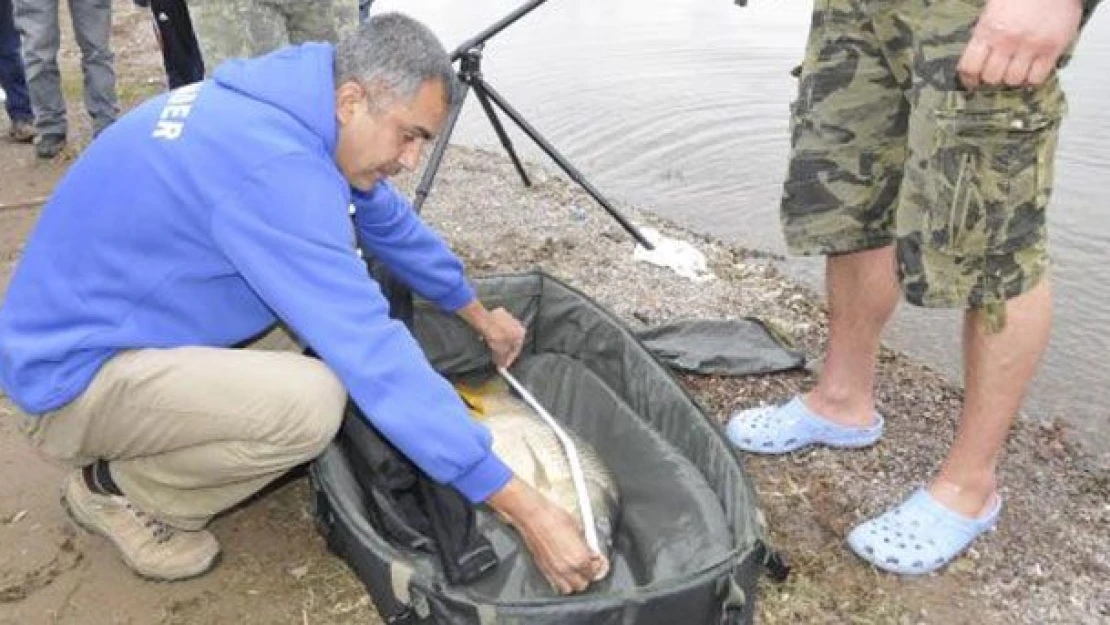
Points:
796	123
989	177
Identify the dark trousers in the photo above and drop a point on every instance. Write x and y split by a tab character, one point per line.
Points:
180	51
12	78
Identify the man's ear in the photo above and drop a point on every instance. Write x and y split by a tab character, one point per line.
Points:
348	97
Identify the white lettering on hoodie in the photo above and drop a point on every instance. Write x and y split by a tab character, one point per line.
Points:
171	123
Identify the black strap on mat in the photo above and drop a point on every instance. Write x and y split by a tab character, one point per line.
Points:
776	565
410	509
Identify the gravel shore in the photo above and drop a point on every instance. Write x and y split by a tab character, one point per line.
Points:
1042	565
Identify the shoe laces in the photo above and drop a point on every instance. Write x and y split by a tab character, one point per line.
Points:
160	530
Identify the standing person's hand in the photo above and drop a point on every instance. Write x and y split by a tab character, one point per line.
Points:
1018	42
552	535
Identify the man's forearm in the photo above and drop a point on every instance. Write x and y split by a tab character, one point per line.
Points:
514	501
476	315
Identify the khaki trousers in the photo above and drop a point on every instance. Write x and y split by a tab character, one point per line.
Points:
192	431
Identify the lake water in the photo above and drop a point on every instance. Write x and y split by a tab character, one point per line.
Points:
680	106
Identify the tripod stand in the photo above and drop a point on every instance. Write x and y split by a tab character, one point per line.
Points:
469	55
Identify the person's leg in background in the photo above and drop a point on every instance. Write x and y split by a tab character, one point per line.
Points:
228	29
13	80
92	28
180	51
364	10
37	22
319	20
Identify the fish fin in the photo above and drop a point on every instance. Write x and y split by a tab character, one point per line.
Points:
472	400
485	398
543	481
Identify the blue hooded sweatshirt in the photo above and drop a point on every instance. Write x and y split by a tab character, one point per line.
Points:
207	214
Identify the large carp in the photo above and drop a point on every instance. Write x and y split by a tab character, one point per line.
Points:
523	441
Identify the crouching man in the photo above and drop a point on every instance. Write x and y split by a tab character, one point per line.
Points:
200	220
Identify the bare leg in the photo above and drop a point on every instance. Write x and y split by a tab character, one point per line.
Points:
863	292
998	368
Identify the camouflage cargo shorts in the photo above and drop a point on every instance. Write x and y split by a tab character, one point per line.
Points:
886	147
229	29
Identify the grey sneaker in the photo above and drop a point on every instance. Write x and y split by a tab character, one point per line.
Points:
21	132
49	146
151	548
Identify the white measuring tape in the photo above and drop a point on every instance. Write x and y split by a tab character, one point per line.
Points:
572	458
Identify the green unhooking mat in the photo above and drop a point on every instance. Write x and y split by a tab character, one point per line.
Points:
690	540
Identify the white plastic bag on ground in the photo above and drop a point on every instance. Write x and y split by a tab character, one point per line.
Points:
680	256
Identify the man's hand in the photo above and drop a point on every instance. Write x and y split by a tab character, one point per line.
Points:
1018	42
504	335
553	536
501	331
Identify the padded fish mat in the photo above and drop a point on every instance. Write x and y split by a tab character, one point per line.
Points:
690	537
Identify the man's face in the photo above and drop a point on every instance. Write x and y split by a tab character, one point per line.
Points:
375	144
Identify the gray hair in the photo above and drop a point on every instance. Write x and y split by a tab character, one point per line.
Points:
393	55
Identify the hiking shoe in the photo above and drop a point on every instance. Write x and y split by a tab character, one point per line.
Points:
151	548
99	130
49	146
22	132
